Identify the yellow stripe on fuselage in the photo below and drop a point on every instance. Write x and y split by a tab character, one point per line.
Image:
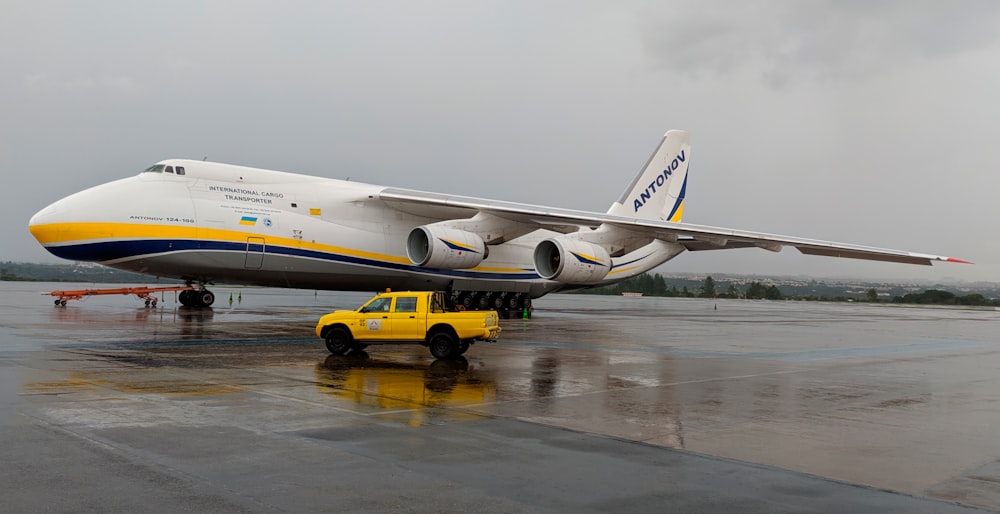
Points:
58	233
499	270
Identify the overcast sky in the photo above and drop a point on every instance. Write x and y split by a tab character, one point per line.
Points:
874	123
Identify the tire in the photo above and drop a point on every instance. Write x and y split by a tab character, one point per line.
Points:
185	297
496	301
205	298
482	301
443	345
463	347
465	300
512	300
339	341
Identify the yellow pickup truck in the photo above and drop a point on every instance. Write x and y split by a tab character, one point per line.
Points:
410	317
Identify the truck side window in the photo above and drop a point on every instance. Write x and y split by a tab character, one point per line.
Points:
406	304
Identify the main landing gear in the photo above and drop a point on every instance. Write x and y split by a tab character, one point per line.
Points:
196	298
508	304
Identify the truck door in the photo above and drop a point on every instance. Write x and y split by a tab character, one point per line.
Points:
375	321
407	323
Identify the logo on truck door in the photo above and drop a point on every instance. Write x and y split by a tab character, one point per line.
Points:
374	324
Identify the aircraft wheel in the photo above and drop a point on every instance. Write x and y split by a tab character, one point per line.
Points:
482	301
465	300
443	346
511	300
338	341
185	297
496	301
205	298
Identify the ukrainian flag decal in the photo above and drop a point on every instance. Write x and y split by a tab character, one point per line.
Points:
248	220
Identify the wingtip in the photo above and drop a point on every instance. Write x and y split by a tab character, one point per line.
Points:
960	261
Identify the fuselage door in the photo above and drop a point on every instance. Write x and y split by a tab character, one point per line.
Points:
255	253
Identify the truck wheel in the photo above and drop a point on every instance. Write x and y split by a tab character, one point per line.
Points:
463	347
443	346
338	341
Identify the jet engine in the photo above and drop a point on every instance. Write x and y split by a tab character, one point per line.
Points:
571	261
443	247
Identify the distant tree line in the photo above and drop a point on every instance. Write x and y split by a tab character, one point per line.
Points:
656	285
21	271
939	297
646	283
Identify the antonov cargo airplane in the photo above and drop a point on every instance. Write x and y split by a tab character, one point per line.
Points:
207	222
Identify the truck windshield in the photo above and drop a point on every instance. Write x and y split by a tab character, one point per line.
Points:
378	305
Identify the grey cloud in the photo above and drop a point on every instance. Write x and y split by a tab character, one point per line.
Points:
818	40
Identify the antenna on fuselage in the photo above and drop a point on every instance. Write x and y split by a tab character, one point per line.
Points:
205	158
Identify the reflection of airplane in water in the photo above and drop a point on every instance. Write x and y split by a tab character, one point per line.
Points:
411	388
205	222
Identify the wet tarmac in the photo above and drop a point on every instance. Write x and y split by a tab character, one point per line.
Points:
595	404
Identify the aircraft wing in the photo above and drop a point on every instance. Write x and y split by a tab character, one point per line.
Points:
693	237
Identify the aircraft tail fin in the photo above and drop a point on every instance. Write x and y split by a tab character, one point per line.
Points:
657	192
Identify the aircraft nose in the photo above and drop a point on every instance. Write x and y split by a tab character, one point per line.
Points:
61	228
41	219
41	216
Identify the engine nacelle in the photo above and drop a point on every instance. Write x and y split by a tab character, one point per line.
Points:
571	261
443	247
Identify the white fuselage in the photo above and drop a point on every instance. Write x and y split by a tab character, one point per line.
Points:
219	222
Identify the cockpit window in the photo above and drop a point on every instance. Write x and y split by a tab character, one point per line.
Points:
180	170
156	168
169	169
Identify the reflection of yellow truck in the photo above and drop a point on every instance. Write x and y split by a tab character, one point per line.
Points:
410	317
414	393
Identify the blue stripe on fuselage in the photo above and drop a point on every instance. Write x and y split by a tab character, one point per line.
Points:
112	250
